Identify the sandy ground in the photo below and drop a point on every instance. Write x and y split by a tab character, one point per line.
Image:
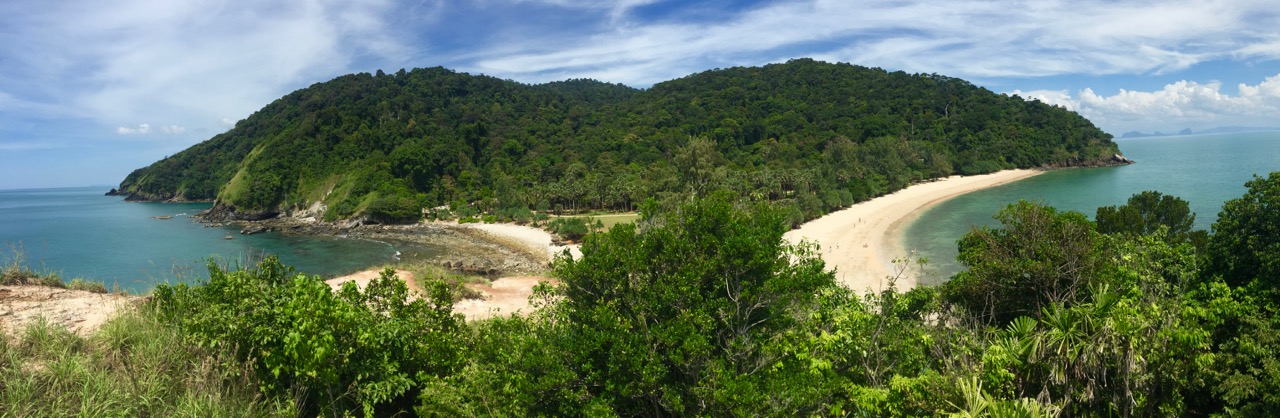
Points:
505	296
363	278
861	242
79	311
530	239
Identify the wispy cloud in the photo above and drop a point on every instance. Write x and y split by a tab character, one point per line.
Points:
972	39
186	63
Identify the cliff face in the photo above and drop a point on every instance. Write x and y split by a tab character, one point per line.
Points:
813	135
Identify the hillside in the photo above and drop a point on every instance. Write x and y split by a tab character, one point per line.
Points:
809	135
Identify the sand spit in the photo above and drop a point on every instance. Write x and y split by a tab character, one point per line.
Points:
862	241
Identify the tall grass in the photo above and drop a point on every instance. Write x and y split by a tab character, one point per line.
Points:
134	365
15	270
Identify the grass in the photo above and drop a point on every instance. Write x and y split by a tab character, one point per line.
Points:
134	365
608	219
616	218
16	271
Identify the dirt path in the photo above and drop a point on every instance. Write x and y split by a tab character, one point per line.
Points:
79	311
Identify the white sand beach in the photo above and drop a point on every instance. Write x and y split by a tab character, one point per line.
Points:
862	241
533	240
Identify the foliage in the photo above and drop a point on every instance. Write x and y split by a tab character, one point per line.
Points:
809	135
1246	238
572	229
334	353
1145	213
689	314
1038	257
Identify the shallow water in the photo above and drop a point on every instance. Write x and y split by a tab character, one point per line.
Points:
1205	170
78	232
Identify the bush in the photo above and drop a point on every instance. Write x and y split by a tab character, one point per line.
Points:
395	209
572	229
336	353
689	316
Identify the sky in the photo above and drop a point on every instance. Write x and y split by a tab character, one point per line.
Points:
91	90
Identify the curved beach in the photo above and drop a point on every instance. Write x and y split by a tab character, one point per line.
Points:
862	241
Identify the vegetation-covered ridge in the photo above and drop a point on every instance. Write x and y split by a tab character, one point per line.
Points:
805	135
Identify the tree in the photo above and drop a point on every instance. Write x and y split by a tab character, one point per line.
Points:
1144	214
687	313
1037	257
1245	246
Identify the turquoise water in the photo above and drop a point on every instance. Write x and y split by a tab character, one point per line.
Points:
1204	170
78	232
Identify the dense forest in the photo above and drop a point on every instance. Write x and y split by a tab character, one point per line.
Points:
707	311
807	136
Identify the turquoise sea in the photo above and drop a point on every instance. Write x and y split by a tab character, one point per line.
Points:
1204	170
78	232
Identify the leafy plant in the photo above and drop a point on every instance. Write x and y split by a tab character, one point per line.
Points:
335	352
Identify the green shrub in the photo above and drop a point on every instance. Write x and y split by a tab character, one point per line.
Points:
572	229
395	209
336	353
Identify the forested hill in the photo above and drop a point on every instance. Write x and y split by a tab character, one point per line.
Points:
806	134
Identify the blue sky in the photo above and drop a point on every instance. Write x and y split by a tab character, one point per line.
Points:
90	90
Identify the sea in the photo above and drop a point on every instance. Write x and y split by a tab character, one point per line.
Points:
131	246
1205	170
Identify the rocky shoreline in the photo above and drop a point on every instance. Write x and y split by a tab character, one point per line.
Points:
451	246
1116	160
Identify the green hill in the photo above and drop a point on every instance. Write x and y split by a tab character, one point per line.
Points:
811	135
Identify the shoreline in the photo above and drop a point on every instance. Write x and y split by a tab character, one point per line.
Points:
860	242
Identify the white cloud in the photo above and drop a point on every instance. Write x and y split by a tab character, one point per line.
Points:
147	129
142	129
1178	105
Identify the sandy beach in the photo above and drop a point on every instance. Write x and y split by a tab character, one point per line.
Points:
862	241
532	240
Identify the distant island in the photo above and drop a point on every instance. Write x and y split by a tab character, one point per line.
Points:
433	143
1188	131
